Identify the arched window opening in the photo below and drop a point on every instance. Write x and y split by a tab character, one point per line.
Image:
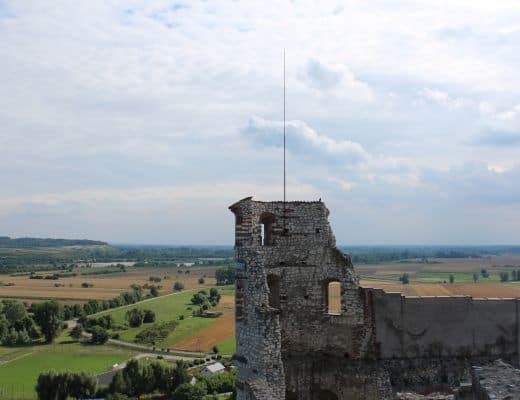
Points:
333	298
266	229
273	282
327	395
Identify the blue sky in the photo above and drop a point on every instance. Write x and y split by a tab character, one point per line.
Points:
141	121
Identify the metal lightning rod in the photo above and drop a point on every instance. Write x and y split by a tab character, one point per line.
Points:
284	174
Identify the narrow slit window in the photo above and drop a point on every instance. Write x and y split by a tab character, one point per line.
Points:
273	282
266	229
333	298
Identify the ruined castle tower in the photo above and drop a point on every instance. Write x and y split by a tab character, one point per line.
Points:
289	341
292	344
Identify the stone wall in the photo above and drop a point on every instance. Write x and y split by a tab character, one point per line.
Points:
408	327
290	347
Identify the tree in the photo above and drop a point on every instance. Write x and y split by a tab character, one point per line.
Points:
187	391
99	335
405	279
201	281
139	378
76	332
504	276
59	386
452	278
198	299
214	295
135	317
82	385
180	374
149	316
48	316
219	383
118	383
225	276
513	275
154	291
475	277
162	376
215	349
14	311
45	386
178	286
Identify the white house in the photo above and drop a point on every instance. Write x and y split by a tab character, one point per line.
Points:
213	369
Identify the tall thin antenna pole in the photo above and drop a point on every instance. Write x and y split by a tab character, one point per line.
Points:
284	179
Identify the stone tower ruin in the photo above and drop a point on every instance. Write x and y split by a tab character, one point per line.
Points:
292	345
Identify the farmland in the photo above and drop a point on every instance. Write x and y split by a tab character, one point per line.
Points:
104	286
432	277
20	366
107	279
202	332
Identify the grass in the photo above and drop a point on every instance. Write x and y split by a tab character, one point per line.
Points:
167	308
19	374
228	346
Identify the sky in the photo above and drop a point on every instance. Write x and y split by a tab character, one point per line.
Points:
141	121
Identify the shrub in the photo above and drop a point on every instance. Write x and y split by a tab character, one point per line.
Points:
219	383
155	333
201	281
99	335
198	299
76	331
405	279
178	286
149	316
135	317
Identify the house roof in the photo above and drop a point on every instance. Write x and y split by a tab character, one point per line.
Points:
215	367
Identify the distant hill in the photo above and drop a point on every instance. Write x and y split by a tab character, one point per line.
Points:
6	241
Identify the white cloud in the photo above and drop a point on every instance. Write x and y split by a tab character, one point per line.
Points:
441	98
335	80
304	141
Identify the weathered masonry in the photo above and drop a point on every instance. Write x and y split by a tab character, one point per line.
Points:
296	340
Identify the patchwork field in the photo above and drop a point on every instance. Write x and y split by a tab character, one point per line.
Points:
432	278
104	287
19	367
201	332
217	334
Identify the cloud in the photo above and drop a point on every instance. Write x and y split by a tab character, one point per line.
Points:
128	112
476	183
442	98
502	127
498	138
335	79
304	141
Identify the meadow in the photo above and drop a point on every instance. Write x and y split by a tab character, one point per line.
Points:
20	366
206	332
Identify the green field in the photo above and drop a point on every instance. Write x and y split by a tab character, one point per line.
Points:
228	346
21	366
167	308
